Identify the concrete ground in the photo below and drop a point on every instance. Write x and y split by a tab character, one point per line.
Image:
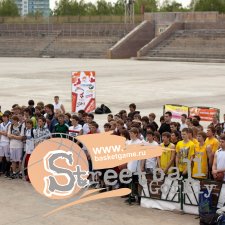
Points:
21	205
119	82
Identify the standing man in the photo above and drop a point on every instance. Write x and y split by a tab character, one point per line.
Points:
152	117
165	127
58	105
133	111
215	121
183	121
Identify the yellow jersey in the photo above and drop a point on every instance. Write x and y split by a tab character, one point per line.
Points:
200	152
184	151
214	143
166	155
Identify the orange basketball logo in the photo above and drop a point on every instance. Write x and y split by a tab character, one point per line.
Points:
58	168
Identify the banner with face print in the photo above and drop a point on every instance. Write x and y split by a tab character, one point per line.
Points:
176	110
205	113
83	91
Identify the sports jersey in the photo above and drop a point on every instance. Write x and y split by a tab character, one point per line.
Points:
133	165
74	131
17	131
29	147
61	129
166	155
184	151
4	140
34	122
152	162
214	143
200	152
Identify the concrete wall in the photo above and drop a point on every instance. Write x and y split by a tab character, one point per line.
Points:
165	35
171	17
133	41
164	20
208	25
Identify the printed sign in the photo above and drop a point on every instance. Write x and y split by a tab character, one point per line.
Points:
205	113
83	91
176	110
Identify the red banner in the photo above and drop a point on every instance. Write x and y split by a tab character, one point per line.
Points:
206	114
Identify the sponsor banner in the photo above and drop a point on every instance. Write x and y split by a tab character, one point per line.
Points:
176	110
205	113
83	91
109	151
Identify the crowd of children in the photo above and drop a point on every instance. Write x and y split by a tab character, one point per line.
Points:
23	127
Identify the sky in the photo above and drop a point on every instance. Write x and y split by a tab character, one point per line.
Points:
184	2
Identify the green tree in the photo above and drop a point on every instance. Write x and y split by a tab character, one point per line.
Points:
69	8
119	8
208	5
104	8
149	6
8	8
91	9
172	6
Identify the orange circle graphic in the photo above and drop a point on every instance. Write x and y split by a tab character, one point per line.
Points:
39	170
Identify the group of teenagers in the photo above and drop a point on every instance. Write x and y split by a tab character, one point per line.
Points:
23	127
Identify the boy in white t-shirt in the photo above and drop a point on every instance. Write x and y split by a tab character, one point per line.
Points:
29	146
58	105
76	128
219	160
134	165
4	145
15	135
149	165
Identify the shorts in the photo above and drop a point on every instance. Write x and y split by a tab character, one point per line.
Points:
15	154
4	151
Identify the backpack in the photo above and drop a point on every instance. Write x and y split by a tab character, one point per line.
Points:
105	109
102	109
98	111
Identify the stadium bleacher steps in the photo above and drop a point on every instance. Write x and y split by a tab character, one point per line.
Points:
190	45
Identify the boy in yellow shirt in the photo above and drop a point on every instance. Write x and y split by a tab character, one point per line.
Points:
211	140
185	149
166	160
203	153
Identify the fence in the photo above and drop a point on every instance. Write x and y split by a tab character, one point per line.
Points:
175	195
69	19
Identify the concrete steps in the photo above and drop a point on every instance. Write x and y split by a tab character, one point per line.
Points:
204	44
60	40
